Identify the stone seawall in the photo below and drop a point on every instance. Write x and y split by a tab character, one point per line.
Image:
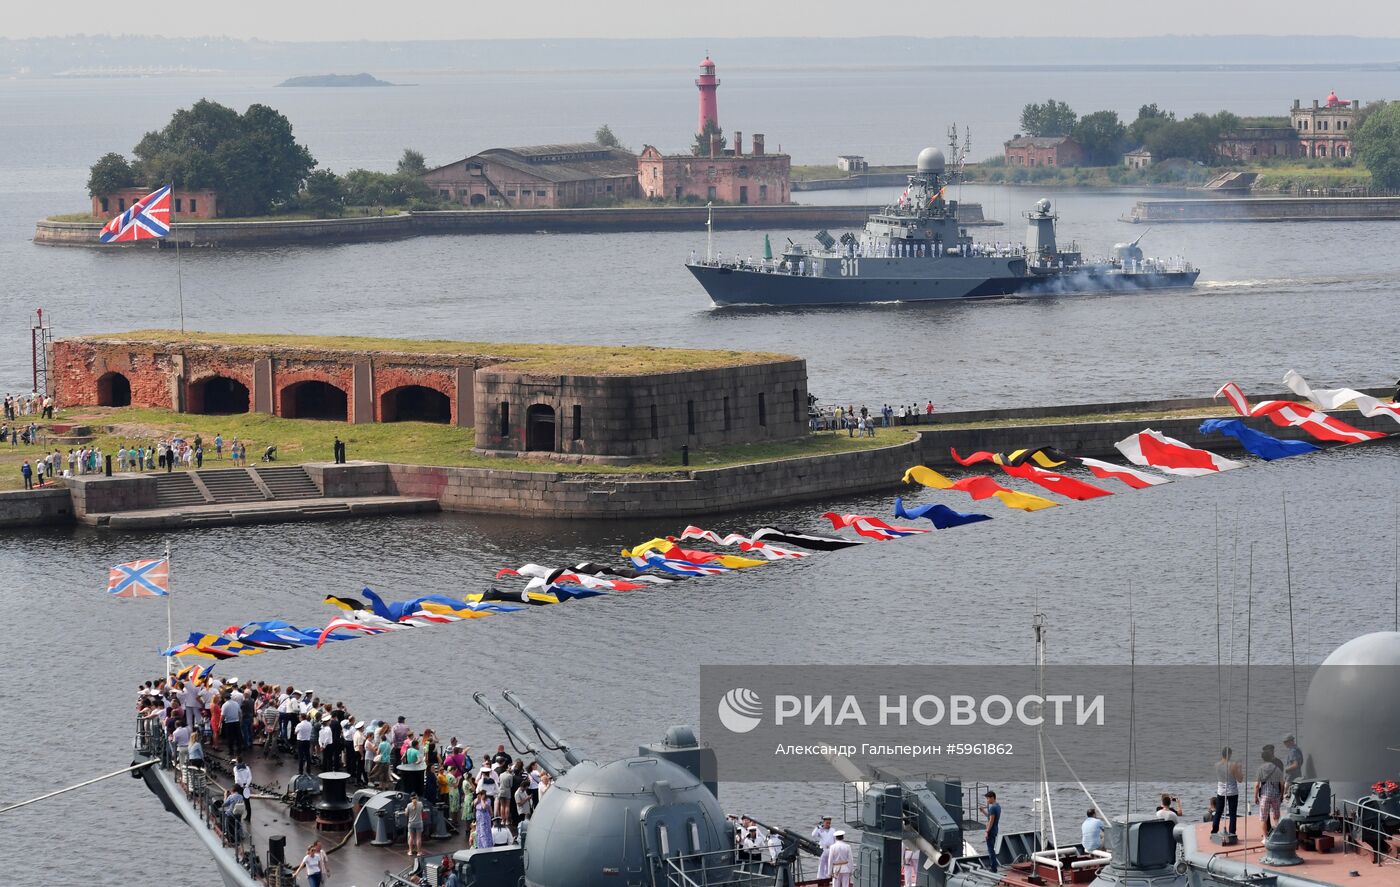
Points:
33	508
564	495
491	221
487	221
1267	209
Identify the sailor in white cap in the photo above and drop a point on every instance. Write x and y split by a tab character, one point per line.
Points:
824	836
838	857
325	740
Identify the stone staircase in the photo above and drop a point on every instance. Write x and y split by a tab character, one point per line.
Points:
177	490
231	485
289	482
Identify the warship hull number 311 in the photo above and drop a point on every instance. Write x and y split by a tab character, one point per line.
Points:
915	251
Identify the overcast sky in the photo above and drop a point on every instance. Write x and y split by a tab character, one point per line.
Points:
465	19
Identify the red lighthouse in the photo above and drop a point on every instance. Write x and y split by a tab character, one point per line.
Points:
708	84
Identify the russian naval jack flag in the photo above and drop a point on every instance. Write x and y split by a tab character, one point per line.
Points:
146	219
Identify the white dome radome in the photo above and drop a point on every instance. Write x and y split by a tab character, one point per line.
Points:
931	160
1350	719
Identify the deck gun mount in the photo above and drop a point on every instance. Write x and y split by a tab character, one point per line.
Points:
641	819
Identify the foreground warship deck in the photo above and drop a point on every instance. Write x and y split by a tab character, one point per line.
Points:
654	819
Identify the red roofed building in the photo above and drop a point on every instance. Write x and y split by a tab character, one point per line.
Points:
1043	151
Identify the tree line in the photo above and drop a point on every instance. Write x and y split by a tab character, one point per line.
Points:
254	163
1103	137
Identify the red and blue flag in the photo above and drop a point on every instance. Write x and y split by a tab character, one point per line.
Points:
150	578
146	219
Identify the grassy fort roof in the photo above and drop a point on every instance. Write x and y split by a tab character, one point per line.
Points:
592	360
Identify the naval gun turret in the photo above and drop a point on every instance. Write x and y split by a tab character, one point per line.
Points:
650	818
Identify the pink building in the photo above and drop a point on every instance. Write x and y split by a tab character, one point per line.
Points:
722	175
189	204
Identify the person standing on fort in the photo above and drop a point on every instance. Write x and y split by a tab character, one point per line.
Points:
27	473
219	446
928	413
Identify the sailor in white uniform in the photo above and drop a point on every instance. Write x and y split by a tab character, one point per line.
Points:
839	860
911	866
824	836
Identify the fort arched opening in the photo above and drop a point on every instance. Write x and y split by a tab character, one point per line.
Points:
539	428
218	396
113	390
314	399
415	403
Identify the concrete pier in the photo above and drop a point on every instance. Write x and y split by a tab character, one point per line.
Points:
1266	209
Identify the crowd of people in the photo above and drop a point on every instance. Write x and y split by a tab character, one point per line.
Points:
491	802
31	404
863	422
163	455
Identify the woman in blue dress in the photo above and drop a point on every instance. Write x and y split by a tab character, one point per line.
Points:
483	821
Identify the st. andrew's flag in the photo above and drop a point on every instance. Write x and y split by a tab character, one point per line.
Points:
149	578
146	219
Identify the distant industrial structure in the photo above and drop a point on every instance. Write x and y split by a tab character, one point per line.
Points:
538	176
1321	131
1325	131
714	172
587	174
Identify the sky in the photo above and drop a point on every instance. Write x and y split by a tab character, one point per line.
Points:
474	19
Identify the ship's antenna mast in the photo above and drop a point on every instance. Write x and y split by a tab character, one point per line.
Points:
1046	810
1248	662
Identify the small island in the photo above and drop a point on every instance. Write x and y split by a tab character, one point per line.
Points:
360	79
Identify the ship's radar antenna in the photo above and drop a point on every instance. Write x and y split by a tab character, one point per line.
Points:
958	150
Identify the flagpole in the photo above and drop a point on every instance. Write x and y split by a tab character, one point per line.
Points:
179	276
169	617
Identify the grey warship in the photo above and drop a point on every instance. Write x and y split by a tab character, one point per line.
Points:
654	819
915	250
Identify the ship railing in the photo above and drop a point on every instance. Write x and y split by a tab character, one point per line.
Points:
203	792
1365	831
790	268
719	868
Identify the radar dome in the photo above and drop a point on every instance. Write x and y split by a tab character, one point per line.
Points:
1350	718
597	821
931	160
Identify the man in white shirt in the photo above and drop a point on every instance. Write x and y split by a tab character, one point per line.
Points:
1169	809
775	846
324	741
839	860
825	836
500	835
303	733
243	778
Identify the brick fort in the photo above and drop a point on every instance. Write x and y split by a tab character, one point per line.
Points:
592	403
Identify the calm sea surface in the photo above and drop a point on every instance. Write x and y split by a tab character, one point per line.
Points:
616	671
